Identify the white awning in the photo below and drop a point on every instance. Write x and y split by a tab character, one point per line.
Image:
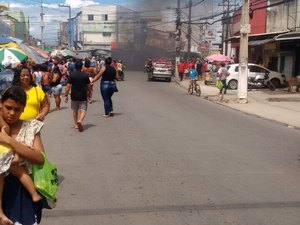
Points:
261	42
258	36
288	36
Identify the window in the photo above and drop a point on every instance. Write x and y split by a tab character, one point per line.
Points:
106	34
256	69
90	17
104	17
236	69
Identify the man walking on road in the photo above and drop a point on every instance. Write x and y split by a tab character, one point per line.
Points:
80	86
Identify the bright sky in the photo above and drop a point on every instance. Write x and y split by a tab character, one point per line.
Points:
72	3
53	14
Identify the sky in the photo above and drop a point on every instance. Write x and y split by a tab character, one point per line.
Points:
55	14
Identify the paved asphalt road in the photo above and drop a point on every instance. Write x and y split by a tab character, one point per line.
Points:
168	158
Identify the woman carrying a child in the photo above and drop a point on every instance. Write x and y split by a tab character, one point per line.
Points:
19	206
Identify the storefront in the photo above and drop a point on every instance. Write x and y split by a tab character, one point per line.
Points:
289	44
263	49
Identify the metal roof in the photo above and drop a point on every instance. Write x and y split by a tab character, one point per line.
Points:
288	36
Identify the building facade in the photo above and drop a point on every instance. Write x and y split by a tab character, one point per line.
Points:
274	40
17	22
104	27
286	18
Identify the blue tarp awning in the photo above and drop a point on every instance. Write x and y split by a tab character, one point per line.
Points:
5	40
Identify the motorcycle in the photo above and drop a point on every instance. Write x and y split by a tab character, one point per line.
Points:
260	81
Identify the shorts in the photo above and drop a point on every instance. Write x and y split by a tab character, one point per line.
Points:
57	90
47	89
79	105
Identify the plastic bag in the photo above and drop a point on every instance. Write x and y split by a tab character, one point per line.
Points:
219	84
45	178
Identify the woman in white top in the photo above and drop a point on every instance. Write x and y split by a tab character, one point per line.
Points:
37	75
223	74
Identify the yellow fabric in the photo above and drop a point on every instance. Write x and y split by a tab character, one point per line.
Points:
4	148
35	96
10	45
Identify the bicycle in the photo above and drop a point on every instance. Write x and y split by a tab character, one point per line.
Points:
194	86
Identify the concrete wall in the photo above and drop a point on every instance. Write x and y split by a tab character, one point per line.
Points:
94	31
281	17
121	25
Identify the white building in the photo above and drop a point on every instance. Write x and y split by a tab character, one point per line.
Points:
105	27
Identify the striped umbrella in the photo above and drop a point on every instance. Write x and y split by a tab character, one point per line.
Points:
68	53
12	55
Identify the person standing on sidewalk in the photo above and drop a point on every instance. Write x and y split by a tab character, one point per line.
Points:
79	83
223	74
108	85
199	68
181	68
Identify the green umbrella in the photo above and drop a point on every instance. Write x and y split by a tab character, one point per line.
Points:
47	49
69	53
12	55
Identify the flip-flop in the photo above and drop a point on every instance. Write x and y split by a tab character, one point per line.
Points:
80	128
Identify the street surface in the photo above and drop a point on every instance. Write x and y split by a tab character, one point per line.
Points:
168	158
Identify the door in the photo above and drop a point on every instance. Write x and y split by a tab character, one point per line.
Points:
257	71
288	66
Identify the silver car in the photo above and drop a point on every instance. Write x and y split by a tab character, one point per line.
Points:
162	70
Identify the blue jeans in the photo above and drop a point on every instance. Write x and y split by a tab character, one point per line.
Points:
107	89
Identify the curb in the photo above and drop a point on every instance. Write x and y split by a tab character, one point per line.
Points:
206	97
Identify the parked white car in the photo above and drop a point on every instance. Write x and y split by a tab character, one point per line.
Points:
277	79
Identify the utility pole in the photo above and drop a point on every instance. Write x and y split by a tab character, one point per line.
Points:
178	37
226	24
227	28
59	35
243	67
70	24
189	31
70	28
42	25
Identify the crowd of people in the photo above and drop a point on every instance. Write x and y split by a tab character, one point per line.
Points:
196	69
23	108
201	66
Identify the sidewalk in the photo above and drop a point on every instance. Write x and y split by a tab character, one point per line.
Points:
280	105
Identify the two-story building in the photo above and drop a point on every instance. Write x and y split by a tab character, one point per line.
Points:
274	40
286	17
17	22
5	28
104	27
